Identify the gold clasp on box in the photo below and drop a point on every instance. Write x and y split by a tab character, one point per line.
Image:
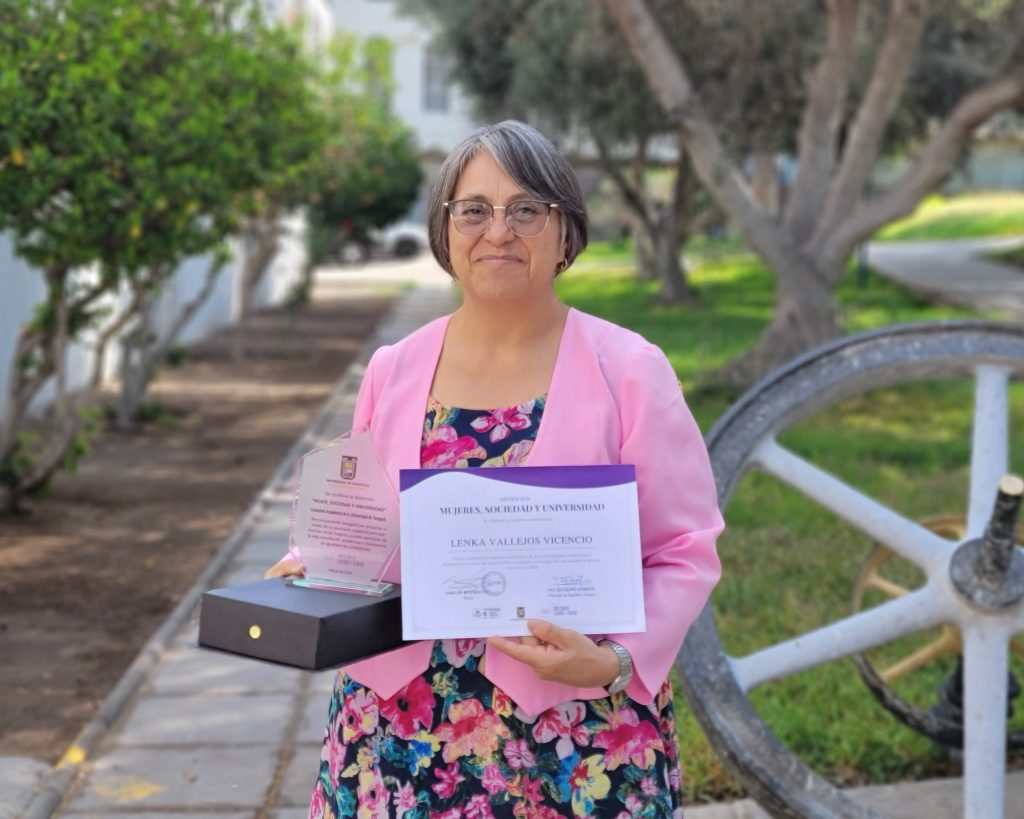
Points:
255	632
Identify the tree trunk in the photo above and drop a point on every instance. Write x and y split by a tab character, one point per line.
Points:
136	362
261	246
143	349
671	274
109	333
674	289
806	315
643	251
38	356
64	430
765	182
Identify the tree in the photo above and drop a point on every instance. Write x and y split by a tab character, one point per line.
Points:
287	138
561	65
368	174
129	141
838	142
565	65
287	143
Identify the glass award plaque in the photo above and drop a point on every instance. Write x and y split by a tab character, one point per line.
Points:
345	523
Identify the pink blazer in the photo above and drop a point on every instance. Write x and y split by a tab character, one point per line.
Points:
614	398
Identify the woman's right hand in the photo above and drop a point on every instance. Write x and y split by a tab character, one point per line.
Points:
285	567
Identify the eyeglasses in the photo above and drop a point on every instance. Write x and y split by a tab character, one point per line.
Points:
524	218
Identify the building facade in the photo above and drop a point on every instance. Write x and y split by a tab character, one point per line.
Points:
425	97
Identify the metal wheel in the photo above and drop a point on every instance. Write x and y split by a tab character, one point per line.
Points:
746	438
942	722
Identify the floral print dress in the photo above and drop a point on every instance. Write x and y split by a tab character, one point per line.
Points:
451	745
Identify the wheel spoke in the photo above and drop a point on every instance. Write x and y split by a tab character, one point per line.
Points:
903	536
986	668
947	643
887	586
918	610
989	444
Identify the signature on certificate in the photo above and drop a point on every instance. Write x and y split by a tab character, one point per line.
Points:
569	580
491	583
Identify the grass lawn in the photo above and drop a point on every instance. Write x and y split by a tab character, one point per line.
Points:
963	217
788	565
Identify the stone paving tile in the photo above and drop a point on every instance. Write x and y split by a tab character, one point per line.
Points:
265	547
239	572
935	799
108	813
323	683
191	670
313	719
152	778
289	813
743	809
299	776
19	778
188	637
207	720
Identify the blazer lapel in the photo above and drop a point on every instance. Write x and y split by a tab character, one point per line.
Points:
567	433
399	432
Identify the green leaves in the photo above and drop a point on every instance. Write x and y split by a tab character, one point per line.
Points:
368	173
134	134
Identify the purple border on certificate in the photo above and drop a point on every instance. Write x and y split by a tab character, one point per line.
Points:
552	477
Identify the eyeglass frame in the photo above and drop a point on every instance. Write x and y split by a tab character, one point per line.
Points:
550	206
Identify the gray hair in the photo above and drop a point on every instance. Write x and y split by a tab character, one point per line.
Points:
533	163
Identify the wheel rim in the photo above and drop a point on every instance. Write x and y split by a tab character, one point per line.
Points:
745	436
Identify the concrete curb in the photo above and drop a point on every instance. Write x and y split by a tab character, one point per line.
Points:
61	777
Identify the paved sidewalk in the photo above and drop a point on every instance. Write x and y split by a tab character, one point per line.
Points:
202	734
954	271
934	799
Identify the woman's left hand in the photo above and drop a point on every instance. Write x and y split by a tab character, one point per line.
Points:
561	655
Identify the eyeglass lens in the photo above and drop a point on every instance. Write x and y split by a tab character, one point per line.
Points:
526	218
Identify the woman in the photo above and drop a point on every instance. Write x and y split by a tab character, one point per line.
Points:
560	723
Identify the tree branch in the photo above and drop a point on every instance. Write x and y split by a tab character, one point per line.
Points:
816	144
673	89
19	392
630	195
115	327
85	301
191	308
49	459
902	35
936	161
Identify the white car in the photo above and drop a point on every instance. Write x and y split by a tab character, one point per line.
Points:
401	240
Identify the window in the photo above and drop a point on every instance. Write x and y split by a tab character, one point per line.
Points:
436	88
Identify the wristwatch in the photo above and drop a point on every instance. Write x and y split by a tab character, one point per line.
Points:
625	676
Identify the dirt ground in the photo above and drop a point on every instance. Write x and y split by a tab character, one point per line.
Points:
101	560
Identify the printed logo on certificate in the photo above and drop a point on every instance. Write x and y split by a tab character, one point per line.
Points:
345	517
484	550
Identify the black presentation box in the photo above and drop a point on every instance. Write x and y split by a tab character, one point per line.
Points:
306	628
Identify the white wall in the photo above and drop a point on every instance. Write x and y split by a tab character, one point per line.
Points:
22	288
315	16
437	132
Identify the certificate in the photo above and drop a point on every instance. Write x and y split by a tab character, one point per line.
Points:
484	550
